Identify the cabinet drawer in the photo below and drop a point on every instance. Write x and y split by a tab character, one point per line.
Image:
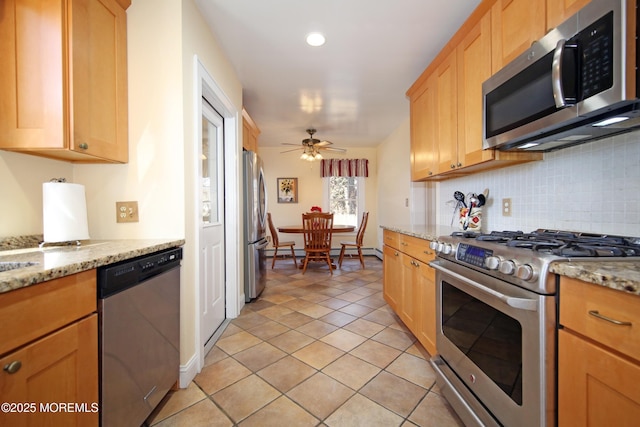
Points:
34	311
416	248
391	238
580	303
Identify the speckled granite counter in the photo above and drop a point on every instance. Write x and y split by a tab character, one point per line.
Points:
421	232
620	275
52	262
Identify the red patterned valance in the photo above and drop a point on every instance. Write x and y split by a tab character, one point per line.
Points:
344	167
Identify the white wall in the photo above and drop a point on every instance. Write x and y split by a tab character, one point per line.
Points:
21	178
310	189
395	188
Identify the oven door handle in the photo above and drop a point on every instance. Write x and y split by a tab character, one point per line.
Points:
519	303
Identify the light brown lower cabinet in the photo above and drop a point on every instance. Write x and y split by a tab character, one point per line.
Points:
598	359
49	353
409	284
392	277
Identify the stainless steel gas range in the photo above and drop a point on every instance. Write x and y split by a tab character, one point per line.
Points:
497	317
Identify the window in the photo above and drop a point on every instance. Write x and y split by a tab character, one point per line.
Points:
344	196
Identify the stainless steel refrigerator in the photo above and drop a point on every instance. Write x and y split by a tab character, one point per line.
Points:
255	226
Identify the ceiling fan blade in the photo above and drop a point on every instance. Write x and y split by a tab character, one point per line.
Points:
340	150
288	143
323	143
294	149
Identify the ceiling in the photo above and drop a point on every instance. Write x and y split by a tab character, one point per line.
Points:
351	89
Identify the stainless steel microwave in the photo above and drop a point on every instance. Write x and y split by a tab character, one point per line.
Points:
576	84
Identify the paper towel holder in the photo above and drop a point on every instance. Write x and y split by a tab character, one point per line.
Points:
64	212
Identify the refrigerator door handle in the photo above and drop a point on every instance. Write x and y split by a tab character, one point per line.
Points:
262	244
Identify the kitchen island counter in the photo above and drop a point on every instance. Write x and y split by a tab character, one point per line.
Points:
51	262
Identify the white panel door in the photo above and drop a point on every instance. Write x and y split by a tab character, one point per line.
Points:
212	248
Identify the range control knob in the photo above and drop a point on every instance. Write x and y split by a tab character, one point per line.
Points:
526	272
508	267
492	262
447	249
433	245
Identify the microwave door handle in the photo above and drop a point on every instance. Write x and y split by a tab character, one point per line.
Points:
519	303
556	74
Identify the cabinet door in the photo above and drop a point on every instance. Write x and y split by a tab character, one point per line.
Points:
409	301
99	78
31	76
392	277
61	368
515	25
559	10
474	67
424	276
447	114
424	127
595	387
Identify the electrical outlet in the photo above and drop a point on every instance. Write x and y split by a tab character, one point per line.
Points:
126	211
506	207
406	202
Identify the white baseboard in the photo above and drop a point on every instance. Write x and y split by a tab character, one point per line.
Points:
188	372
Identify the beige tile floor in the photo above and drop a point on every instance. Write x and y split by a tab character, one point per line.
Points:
313	350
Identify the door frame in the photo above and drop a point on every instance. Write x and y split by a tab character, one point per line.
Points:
207	87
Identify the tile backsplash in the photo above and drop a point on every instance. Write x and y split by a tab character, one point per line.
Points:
593	187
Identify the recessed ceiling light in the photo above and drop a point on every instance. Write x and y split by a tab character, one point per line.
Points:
315	39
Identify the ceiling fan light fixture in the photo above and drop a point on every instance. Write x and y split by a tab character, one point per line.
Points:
315	39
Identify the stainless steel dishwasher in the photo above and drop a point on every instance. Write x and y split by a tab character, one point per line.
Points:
139	337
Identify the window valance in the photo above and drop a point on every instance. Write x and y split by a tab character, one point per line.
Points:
344	167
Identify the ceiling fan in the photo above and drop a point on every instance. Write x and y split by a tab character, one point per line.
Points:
311	147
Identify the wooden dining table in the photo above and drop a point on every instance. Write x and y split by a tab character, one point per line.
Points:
337	228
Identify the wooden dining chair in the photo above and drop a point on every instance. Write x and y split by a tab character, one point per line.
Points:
358	243
275	241
317	228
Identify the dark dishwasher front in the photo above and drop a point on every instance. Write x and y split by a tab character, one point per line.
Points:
139	318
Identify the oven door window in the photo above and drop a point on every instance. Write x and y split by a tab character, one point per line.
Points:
490	338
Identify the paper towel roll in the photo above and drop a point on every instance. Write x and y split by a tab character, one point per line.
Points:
64	212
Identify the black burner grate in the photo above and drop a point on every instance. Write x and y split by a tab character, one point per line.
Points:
562	243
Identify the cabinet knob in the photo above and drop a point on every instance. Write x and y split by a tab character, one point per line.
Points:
459	164
453	166
396	254
13	367
83	146
430	173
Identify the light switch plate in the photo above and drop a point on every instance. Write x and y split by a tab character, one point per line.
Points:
127	211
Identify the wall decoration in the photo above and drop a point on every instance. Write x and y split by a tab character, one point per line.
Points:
287	190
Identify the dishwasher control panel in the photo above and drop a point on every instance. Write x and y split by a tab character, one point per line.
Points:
119	276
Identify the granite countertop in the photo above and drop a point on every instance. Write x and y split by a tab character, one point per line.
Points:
52	262
620	275
419	231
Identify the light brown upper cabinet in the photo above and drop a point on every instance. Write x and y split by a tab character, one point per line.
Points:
515	25
250	132
446	107
424	127
558	11
63	82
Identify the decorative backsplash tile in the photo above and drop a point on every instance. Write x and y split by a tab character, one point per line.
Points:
593	187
